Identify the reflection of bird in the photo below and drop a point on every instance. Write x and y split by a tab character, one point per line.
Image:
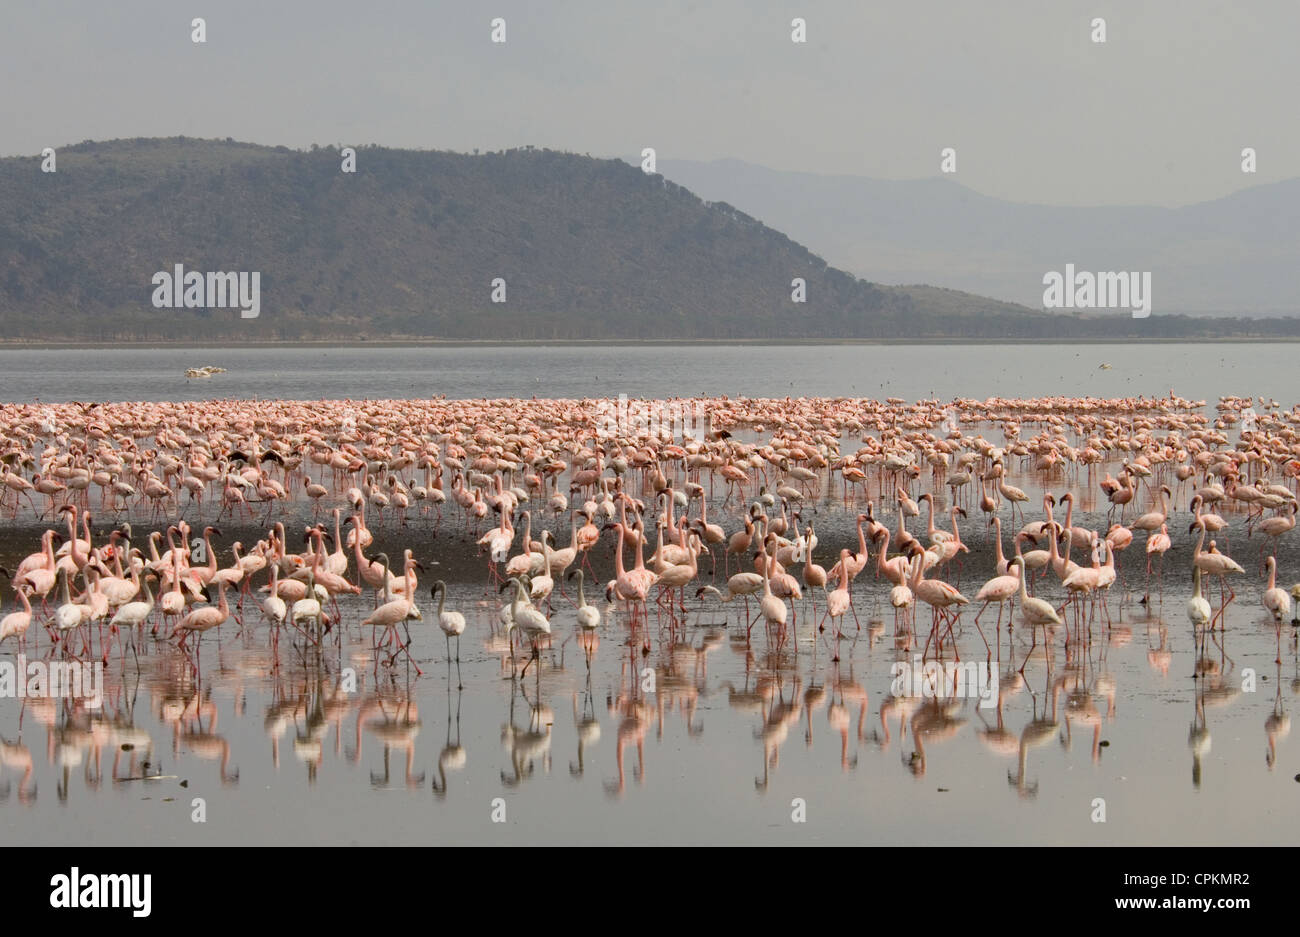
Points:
1276	726
1036	733
453	756
935	721
1198	740
526	746
588	728
17	756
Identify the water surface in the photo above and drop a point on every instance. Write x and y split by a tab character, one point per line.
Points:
1197	371
682	731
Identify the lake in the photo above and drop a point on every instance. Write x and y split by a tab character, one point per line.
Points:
682	731
1200	371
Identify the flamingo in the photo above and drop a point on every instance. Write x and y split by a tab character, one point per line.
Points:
902	599
814	576
529	620
1158	544
273	606
132	614
936	593
771	608
204	619
1000	563
1216	564
680	575
588	615
1275	527
1000	589
452	623
15	624
1015	495
67	615
1037	612
741	584
837	600
1154	520
1198	609
1276	601
307	608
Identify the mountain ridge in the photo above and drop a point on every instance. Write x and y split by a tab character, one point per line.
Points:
1231	255
410	246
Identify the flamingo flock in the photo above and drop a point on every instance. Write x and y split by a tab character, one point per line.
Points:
335	509
400	465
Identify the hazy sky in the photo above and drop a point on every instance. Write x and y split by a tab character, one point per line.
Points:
1037	111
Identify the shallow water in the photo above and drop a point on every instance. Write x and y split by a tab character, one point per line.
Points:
718	751
1198	371
704	738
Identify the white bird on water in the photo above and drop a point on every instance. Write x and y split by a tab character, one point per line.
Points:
527	618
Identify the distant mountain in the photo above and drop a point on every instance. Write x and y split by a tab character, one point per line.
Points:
409	246
1232	256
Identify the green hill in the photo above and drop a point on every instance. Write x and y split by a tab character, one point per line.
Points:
409	245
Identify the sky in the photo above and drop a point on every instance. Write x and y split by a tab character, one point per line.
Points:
1036	110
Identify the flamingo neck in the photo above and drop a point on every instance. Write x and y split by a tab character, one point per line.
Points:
618	554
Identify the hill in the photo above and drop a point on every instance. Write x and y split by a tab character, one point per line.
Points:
409	246
1230	256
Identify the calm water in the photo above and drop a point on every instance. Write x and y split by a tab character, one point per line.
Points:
908	371
704	738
